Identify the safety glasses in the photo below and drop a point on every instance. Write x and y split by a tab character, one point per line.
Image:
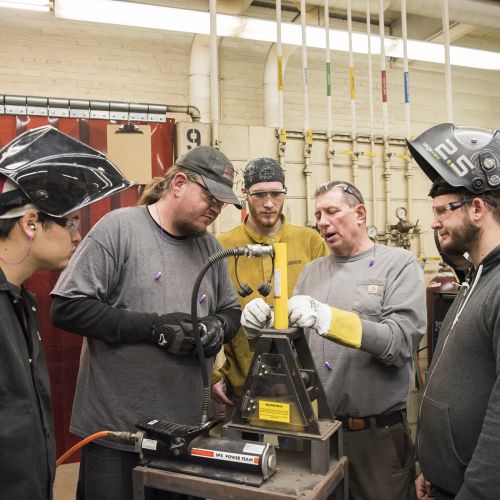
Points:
328	186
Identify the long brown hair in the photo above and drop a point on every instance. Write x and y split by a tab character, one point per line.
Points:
161	185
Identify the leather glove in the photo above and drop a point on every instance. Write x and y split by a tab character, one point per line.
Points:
255	316
174	332
304	311
211	334
337	325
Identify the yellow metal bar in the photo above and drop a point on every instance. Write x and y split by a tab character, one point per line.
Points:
280	287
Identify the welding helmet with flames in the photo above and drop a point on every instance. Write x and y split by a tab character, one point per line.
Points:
55	173
464	157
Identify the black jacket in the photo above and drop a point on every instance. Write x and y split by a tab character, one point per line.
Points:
27	446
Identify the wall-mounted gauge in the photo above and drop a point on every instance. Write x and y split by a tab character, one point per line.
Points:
401	213
372	232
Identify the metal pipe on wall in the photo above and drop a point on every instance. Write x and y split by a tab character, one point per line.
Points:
330	151
385	117
279	68
214	74
406	82
214	88
373	165
447	65
352	91
307	131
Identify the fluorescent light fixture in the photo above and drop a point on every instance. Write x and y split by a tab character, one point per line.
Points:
191	21
38	5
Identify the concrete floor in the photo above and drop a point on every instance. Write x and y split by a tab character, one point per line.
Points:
65	483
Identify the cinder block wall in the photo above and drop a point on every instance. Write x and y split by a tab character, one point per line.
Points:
44	56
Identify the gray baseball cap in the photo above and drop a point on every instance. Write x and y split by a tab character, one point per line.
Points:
215	169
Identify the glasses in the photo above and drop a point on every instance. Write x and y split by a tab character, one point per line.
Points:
327	186
71	225
274	196
440	211
212	200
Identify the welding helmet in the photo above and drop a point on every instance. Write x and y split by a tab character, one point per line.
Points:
55	173
464	157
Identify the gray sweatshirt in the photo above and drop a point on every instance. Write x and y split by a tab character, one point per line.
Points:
458	434
389	298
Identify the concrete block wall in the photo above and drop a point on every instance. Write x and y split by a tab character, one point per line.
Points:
44	56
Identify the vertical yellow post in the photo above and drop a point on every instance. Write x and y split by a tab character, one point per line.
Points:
280	287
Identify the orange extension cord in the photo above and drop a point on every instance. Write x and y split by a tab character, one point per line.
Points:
81	443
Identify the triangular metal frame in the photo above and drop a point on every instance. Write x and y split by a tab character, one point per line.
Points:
298	367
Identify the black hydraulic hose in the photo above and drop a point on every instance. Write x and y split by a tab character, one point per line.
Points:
194	320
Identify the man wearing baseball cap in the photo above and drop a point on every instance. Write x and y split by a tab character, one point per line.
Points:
45	177
458	428
128	291
265	191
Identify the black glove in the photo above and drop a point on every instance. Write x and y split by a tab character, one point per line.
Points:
212	335
174	332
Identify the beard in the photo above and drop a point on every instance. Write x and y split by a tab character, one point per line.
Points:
188	229
462	239
265	221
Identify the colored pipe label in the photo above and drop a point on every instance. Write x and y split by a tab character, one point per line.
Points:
384	85
407	87
328	80
280	72
351	82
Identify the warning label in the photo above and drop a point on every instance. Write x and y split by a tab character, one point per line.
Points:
224	455
277	412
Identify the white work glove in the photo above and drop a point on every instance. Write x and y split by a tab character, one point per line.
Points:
255	316
304	311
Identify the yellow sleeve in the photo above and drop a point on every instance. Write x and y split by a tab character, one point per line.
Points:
345	328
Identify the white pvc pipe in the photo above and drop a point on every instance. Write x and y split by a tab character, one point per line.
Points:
328	68
385	116
373	164
352	91
307	133
406	75
199	76
214	88
279	88
304	64
214	74
406	83
279	55
383	72
271	83
447	65
330	150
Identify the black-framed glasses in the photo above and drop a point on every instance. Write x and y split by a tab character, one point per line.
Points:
212	200
274	195
327	186
440	211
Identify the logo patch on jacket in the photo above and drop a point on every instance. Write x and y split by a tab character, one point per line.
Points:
372	289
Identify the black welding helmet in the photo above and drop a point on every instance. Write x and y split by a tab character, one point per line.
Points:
464	157
55	173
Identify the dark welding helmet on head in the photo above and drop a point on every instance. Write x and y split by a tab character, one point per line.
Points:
55	173
464	157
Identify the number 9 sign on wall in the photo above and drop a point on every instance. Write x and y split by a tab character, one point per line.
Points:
189	135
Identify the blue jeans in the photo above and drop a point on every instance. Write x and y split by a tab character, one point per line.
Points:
106	474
